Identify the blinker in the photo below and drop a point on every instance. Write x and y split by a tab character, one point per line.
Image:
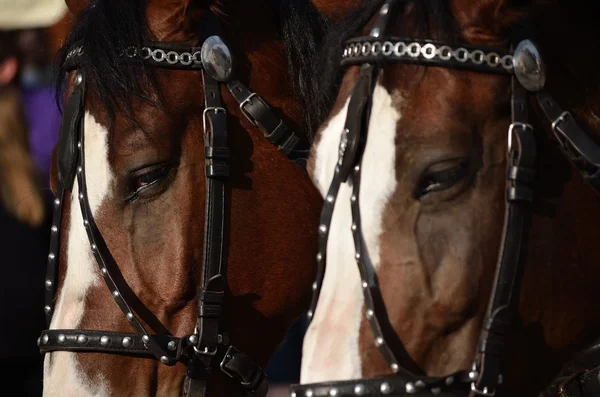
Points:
69	135
216	59
528	66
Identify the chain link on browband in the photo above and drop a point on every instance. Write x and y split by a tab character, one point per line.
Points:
169	55
361	50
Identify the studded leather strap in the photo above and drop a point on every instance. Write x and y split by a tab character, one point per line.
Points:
384	336
78	340
67	162
453	385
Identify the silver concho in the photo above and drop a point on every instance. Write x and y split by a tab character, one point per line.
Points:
528	66
216	58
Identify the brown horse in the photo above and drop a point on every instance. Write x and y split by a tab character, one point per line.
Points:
136	143
425	221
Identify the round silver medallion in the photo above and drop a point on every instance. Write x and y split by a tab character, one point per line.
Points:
216	58
528	66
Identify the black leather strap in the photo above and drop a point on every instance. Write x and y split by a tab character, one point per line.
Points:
212	292
386	339
577	384
68	156
579	148
80	340
453	385
578	378
246	371
211	296
67	141
519	194
256	110
53	256
348	150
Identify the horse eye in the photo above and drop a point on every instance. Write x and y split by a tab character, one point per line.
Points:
146	178
441	176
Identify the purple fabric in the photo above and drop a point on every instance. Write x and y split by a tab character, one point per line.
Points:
44	120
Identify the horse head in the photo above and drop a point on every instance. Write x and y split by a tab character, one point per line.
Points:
457	250
185	247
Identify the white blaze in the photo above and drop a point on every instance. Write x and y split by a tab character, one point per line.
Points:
331	344
63	377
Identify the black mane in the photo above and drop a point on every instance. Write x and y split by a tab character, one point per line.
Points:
103	29
303	30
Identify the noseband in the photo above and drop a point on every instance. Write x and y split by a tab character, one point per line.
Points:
207	347
526	69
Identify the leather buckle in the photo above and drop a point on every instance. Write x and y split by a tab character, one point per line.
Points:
560	119
484	392
205	114
560	136
250	384
248	115
562	392
229	373
514	125
206	351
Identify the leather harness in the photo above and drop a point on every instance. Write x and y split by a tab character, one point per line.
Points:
485	376
207	347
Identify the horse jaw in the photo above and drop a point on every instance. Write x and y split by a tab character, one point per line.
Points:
62	375
331	344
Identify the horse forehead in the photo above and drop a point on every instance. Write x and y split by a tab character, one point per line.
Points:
440	106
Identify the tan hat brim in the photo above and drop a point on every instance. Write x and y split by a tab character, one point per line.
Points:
25	14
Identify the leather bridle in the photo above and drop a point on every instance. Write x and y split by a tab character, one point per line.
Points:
525	67
207	347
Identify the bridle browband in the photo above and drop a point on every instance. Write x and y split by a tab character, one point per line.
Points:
206	347
525	67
